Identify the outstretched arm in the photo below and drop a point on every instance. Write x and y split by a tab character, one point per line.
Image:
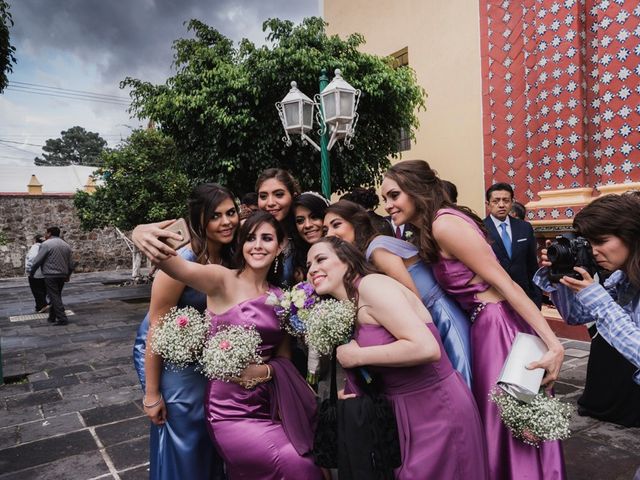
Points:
458	239
208	279
386	303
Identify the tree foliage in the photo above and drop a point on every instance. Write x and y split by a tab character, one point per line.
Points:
7	51
219	106
140	181
75	146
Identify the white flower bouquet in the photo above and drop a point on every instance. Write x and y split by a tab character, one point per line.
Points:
180	337
545	418
292	307
227	353
329	323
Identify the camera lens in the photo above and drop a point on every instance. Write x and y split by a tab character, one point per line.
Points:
556	251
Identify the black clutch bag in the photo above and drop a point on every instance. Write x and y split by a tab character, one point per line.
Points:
358	436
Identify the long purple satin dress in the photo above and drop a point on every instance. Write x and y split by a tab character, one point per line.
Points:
494	327
438	423
265	433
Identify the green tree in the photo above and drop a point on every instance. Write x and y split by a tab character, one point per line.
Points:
7	51
219	106
75	146
140	181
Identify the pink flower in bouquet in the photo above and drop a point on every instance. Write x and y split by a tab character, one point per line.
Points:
529	437
182	321
225	345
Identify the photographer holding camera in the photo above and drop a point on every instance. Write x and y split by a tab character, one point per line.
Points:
611	225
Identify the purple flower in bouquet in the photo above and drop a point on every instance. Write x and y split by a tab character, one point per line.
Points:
292	307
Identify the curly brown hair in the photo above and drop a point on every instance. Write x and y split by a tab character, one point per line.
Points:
421	183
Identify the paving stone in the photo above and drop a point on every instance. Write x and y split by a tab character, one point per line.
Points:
580	422
71	369
9	436
128	380
55	382
17	416
589	460
109	414
35	398
122	431
578	345
10	389
34	377
120	395
576	353
41	429
140	473
84	389
68	405
105	362
83	466
93	375
129	454
44	451
617	436
562	389
575	376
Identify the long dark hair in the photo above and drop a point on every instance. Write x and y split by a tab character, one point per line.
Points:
357	265
317	205
359	218
421	183
248	227
292	186
202	204
615	215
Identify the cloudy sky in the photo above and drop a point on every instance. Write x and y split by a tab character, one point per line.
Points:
84	48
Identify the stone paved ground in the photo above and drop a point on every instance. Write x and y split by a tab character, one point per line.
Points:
77	413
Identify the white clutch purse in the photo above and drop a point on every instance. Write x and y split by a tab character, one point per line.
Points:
514	378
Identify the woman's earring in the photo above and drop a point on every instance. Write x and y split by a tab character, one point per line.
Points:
275	267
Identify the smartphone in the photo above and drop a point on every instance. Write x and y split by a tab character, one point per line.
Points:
179	227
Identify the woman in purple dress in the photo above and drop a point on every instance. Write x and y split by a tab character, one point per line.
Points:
452	238
262	422
438	423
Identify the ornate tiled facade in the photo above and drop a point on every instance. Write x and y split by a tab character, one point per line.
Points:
561	100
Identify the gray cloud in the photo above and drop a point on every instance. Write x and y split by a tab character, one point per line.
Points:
134	37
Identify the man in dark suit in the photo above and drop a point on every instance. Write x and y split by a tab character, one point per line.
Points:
512	240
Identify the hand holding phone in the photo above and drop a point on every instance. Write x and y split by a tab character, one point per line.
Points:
179	227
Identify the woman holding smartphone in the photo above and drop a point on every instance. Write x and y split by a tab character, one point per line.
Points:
261	422
180	446
452	239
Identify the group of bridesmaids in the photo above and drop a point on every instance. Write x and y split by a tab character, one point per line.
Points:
436	319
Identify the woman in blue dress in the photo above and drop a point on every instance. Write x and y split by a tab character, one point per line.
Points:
180	446
399	260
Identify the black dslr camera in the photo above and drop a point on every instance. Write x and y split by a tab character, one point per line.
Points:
566	252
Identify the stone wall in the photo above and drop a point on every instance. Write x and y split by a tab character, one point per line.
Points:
22	216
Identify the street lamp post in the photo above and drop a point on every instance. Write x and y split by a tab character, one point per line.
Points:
336	114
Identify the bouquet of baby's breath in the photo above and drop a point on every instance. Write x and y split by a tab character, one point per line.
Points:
180	336
545	418
329	323
227	353
292	307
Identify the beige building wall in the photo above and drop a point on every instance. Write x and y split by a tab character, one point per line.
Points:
443	38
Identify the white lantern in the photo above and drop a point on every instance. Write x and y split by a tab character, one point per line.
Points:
339	101
296	111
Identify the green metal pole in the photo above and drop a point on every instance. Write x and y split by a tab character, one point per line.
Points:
325	164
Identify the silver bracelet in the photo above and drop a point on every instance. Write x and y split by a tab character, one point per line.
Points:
154	404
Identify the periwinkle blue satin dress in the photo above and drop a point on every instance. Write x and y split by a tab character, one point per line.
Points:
181	448
452	322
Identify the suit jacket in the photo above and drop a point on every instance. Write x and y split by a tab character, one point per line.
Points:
523	263
407	232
